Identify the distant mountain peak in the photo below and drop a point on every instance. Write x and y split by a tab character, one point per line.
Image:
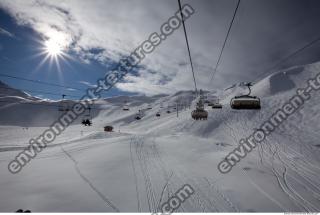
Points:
2	84
6	90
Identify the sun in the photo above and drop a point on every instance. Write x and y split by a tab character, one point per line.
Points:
53	47
56	43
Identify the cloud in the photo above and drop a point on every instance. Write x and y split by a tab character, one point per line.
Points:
263	31
87	84
6	33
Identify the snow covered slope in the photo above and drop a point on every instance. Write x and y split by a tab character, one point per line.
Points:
6	90
142	163
21	109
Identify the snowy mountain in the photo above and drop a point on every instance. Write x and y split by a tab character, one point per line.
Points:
20	108
142	163
7	91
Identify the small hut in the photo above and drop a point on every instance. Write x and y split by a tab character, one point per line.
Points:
108	128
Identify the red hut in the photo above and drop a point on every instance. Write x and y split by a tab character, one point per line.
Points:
108	128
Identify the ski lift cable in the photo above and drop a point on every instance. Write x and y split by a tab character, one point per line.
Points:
38	91
225	41
39	104
187	42
40	82
306	46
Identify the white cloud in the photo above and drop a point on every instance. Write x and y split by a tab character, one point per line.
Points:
6	33
117	27
87	83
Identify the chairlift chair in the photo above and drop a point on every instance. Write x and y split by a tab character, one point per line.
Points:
168	109
216	105
126	108
138	115
158	114
86	121
245	101
199	113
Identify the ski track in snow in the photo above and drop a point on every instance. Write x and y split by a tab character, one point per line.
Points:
85	179
280	164
157	156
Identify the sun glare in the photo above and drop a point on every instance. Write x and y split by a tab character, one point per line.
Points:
56	43
53	48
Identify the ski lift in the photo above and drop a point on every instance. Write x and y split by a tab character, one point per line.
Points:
161	105
149	107
202	96
63	107
86	121
126	107
168	109
245	101
138	115
199	113
216	105
206	98
158	114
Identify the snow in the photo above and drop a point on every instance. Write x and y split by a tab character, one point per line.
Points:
88	170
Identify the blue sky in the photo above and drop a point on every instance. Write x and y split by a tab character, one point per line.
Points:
20	57
97	33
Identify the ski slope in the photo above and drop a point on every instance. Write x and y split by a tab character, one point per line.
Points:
142	163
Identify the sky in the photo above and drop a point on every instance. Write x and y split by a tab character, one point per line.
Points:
96	34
